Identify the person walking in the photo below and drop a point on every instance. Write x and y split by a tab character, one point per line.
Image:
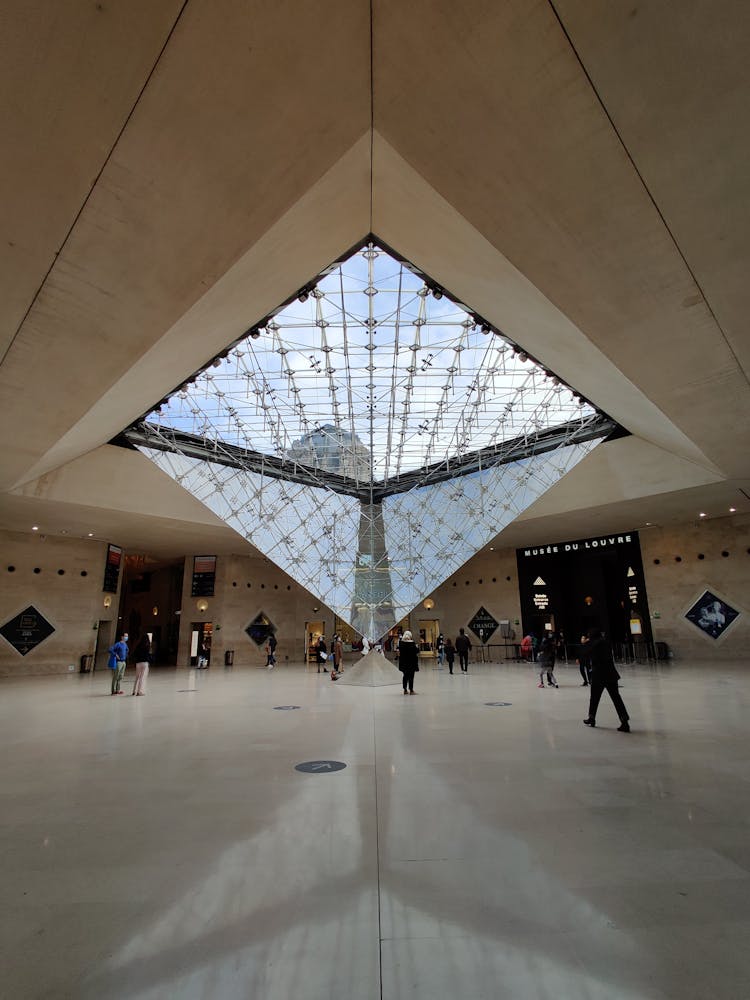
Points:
440	649
547	662
581	661
408	660
450	654
463	645
338	655
604	677
118	660
271	651
142	656
322	652
527	648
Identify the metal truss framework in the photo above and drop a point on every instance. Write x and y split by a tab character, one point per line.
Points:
370	436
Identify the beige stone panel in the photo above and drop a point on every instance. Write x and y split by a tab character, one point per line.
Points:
625	469
673	78
245	587
519	145
674	586
412	217
236	126
119	479
156	535
119	495
70	74
69	600
490	580
330	218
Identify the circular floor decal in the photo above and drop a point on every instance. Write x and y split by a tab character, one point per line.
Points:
319	766
498	704
285	708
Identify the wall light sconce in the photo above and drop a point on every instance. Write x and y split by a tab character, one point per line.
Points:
202	606
154	611
429	604
108	601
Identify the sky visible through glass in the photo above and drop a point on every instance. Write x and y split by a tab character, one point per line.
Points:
391	376
357	417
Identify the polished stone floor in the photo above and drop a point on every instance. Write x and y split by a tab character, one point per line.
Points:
166	846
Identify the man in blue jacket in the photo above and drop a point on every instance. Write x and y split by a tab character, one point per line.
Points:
118	660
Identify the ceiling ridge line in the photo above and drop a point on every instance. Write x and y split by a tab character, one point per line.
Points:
372	112
94	183
646	188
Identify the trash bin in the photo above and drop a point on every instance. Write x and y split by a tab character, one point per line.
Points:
87	661
228	657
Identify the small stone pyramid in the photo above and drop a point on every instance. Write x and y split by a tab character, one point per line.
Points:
373	670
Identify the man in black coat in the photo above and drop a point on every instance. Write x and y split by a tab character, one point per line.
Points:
463	645
600	662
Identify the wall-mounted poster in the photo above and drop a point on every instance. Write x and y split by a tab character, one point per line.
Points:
112	569
712	615
204	576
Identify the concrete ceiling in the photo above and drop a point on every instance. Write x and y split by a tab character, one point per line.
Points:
577	174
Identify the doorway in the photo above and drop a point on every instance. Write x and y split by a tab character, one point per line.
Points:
200	644
391	638
104	639
429	630
313	631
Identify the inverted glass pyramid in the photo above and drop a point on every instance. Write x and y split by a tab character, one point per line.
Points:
370	436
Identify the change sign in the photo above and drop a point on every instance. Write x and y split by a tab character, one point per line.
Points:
483	625
27	630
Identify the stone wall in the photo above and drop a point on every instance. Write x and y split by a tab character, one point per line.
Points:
62	578
73	602
683	561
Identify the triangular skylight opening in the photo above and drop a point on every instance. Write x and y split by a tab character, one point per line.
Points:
371	410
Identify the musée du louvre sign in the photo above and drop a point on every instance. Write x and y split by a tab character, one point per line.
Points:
604	542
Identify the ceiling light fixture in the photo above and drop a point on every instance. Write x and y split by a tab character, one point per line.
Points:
701	514
35	527
732	510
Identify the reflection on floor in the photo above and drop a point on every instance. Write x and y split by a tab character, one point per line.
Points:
166	847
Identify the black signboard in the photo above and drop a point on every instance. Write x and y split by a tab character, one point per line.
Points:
483	625
112	569
712	615
204	576
26	630
320	766
590	583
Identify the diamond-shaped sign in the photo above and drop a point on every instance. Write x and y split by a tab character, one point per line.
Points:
27	630
260	628
483	625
